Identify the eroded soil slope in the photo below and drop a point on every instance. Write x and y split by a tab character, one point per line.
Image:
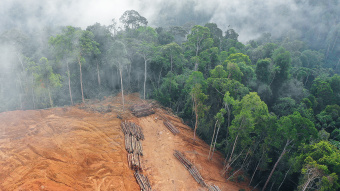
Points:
82	148
62	149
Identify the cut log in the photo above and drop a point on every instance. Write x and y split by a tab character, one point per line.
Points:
191	168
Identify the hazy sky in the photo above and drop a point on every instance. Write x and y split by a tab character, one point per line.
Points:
246	16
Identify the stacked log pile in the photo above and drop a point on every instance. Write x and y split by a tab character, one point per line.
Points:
190	167
142	110
133	144
143	181
171	127
134	161
133	129
213	188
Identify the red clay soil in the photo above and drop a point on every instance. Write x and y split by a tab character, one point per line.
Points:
83	149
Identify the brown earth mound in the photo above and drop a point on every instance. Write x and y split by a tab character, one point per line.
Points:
82	148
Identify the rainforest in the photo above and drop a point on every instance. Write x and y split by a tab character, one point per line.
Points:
261	87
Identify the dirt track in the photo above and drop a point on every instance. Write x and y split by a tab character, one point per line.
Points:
77	149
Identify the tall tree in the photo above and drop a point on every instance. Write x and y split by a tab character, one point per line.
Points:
198	40
85	45
131	19
117	55
249	113
198	98
103	36
262	70
282	61
173	53
146	48
293	130
196	86
46	77
320	166
63	46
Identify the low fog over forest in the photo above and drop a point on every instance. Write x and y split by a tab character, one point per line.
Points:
259	78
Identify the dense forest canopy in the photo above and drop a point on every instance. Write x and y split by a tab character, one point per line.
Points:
259	84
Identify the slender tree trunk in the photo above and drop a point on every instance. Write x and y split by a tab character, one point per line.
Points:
232	151
272	79
69	82
196	64
231	155
138	85
272	186
257	166
49	95
171	63
234	173
159	78
129	74
336	38
306	184
218	130
20	94
122	88
81	81
113	80
337	64
307	78
118	75
228	110
284	177
212	140
145	64
277	162
225	168
196	122
98	73
328	50
33	98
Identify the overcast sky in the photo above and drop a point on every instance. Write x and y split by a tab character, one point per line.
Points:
246	16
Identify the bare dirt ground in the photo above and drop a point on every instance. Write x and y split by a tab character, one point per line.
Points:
82	148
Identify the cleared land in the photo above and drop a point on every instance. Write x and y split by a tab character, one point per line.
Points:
82	148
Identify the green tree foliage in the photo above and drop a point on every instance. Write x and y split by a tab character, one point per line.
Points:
198	98
103	37
262	71
249	114
216	34
284	106
281	59
63	46
234	72
146	48
220	82
197	41
173	56
311	59
335	85
205	77
329	119
131	19
117	55
46	78
238	58
320	166
293	130
323	92
164	37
